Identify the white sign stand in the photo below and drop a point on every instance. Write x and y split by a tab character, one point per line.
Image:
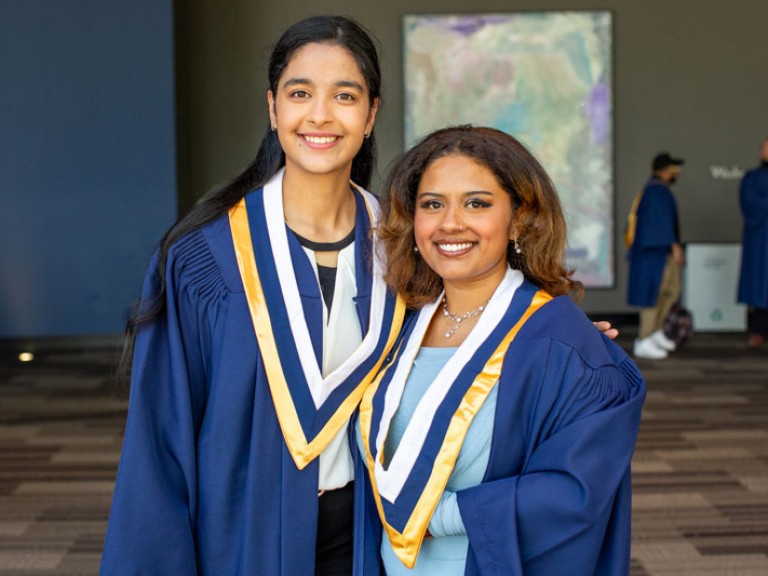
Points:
710	284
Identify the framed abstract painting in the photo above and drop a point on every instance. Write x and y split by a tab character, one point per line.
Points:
544	78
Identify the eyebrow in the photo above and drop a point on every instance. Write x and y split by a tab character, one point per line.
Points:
340	84
468	193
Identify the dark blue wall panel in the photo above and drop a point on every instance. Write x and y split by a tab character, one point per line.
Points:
87	159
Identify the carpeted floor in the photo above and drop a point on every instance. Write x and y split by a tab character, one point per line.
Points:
700	468
701	463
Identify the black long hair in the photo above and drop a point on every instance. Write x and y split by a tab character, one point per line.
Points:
338	30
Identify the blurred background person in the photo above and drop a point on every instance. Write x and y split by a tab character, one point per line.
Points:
753	281
655	258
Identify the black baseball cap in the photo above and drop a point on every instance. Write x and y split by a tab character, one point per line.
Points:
664	159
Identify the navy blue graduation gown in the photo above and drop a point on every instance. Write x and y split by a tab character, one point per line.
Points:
206	484
656	230
556	496
753	279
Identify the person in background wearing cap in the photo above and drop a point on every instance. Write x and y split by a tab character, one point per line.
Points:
655	258
753	282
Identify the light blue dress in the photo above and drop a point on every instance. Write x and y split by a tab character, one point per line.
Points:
445	554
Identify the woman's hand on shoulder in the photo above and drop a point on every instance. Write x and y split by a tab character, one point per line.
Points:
604	327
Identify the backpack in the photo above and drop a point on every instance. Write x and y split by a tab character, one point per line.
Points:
629	227
678	324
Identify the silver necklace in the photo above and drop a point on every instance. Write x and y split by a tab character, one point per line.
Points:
459	319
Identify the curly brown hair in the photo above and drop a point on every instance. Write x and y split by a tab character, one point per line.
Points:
539	221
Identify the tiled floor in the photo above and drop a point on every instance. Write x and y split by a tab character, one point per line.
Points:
700	468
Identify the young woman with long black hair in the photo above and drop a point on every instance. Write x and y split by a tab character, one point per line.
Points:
263	319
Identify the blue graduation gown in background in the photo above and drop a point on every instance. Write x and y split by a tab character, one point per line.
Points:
556	495
206	484
655	232
753	280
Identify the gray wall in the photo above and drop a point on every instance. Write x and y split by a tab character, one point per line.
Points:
689	77
87	160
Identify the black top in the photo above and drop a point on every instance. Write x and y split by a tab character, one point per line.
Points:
327	274
326	246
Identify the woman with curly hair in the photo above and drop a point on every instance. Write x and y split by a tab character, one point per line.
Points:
498	438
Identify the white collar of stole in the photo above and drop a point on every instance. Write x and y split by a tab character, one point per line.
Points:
407	492
308	435
320	387
391	480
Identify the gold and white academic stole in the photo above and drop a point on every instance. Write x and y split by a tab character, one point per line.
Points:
408	490
311	408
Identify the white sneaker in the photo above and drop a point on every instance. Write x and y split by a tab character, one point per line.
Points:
647	348
661	340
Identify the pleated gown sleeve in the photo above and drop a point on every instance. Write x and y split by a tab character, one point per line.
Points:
153	510
556	497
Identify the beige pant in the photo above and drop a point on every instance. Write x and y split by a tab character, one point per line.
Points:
652	319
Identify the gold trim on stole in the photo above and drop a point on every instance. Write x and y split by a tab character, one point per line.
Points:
406	544
303	452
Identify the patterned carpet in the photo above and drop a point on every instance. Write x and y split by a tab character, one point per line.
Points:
700	469
701	464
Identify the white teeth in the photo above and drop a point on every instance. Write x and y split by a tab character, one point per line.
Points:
454	247
320	139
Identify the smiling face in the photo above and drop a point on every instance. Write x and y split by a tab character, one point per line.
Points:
321	109
463	222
